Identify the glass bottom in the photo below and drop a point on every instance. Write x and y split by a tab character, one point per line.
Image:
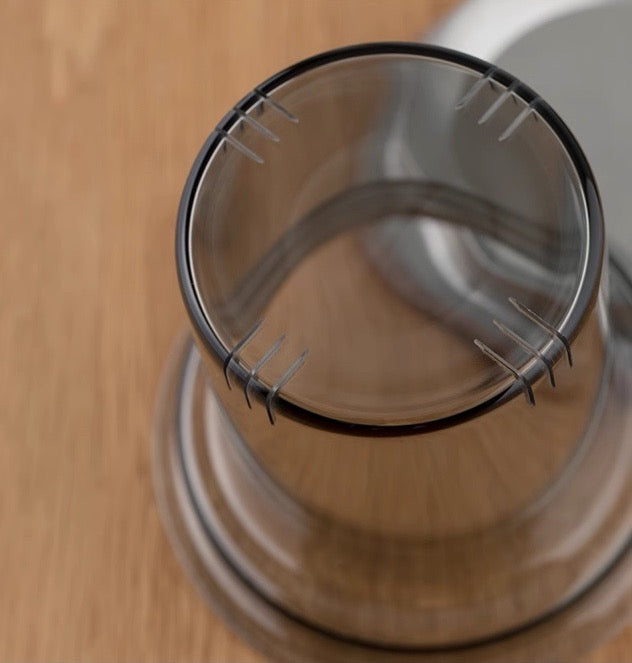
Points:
201	542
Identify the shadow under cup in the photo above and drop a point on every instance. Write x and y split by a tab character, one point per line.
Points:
379	249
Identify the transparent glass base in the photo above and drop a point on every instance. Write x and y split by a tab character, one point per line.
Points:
202	507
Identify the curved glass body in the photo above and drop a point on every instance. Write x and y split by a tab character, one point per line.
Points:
383	223
379	249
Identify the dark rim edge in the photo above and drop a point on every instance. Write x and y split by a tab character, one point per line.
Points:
587	289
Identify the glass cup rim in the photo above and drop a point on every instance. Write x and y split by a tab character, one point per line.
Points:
588	284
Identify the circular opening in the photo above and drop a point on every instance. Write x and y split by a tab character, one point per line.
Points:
367	236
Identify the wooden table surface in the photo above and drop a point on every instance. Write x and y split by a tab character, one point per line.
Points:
104	106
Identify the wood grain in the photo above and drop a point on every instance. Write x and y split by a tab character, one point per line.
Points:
105	104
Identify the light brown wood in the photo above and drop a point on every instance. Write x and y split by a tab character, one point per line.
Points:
104	106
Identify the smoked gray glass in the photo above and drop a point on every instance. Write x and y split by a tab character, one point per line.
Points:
383	227
379	248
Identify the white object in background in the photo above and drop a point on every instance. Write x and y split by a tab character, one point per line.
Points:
576	54
485	28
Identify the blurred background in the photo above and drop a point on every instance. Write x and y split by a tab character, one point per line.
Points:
105	107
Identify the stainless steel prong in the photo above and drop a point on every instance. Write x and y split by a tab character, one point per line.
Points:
259	365
276	106
475	89
238	145
257	126
232	354
491	111
285	378
503	363
548	364
520	118
534	317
